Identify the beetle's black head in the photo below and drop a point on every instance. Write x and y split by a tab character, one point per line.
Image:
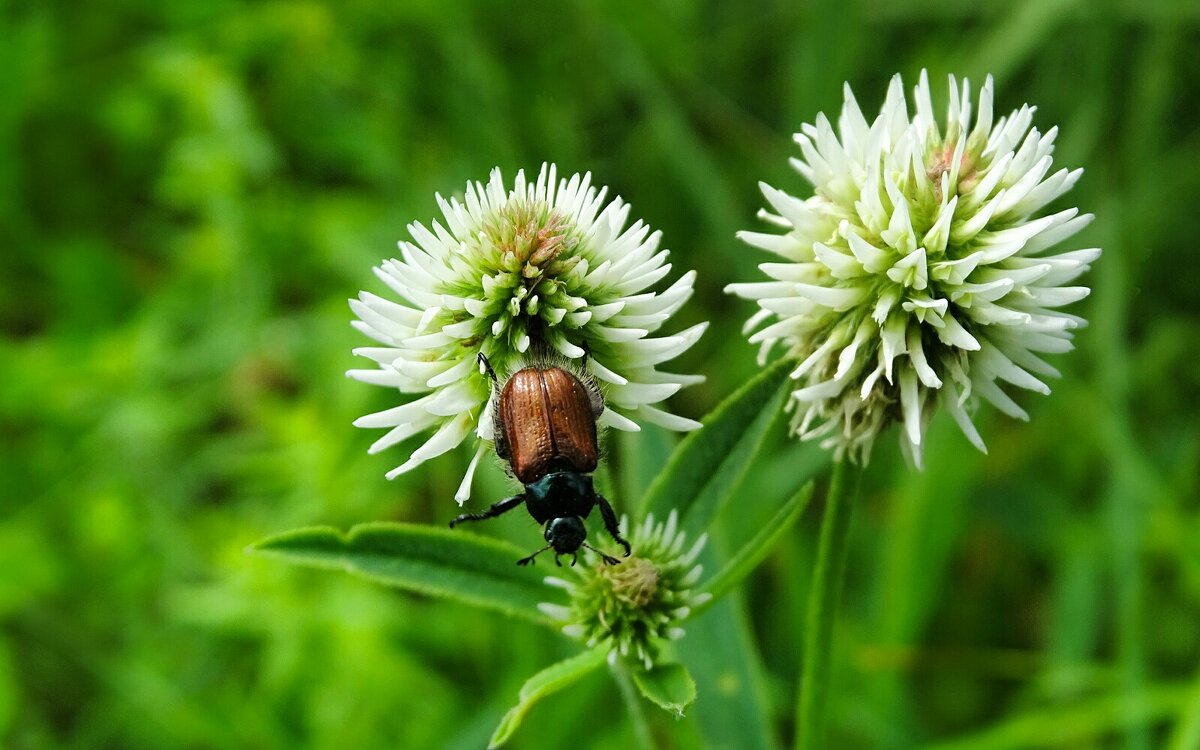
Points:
566	534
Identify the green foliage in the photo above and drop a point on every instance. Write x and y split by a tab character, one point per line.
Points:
193	189
478	571
668	685
756	549
710	462
553	678
1083	721
467	568
735	708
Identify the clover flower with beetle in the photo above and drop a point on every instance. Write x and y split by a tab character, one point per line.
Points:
517	282
548	266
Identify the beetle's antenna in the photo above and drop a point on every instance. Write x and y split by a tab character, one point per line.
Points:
486	365
608	560
529	560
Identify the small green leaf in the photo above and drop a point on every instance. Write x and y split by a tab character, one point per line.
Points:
710	462
755	550
670	686
550	680
473	569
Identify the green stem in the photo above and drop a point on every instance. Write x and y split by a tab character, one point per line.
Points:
823	595
637	716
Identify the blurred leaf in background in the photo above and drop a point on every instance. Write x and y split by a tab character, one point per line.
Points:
193	189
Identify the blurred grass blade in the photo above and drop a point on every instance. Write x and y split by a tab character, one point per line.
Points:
438	562
669	686
734	710
1186	734
550	680
710	462
757	547
642	455
1076	724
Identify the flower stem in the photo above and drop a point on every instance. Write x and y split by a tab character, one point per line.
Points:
642	736
823	595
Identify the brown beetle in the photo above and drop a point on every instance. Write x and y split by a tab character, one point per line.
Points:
545	428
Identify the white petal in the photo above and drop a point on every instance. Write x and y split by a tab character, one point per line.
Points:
911	270
842	266
667	420
653	351
464	488
447	437
998	398
916	355
612	418
872	258
910	403
388	377
784	245
837	298
396	415
954	334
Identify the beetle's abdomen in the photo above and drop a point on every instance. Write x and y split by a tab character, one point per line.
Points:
548	424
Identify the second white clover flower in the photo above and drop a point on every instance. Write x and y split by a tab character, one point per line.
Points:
919	273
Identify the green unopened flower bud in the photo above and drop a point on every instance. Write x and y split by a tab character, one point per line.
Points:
639	604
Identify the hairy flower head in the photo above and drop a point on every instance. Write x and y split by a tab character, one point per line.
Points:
920	271
637	605
546	268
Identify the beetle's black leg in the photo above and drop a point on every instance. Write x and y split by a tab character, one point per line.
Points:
483	360
587	352
556	560
496	509
610	524
529	560
608	559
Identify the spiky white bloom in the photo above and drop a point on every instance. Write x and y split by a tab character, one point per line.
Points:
635	606
919	270
548	268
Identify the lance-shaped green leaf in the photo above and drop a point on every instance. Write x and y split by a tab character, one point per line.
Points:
474	569
550	680
710	462
669	686
734	709
756	549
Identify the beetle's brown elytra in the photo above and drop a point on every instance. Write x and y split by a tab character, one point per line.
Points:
545	428
547	420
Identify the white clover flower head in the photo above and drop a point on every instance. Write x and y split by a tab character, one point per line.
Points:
639	604
546	268
920	271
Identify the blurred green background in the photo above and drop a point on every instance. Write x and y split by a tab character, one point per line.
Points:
191	190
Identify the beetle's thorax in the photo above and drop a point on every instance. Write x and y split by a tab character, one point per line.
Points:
558	494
